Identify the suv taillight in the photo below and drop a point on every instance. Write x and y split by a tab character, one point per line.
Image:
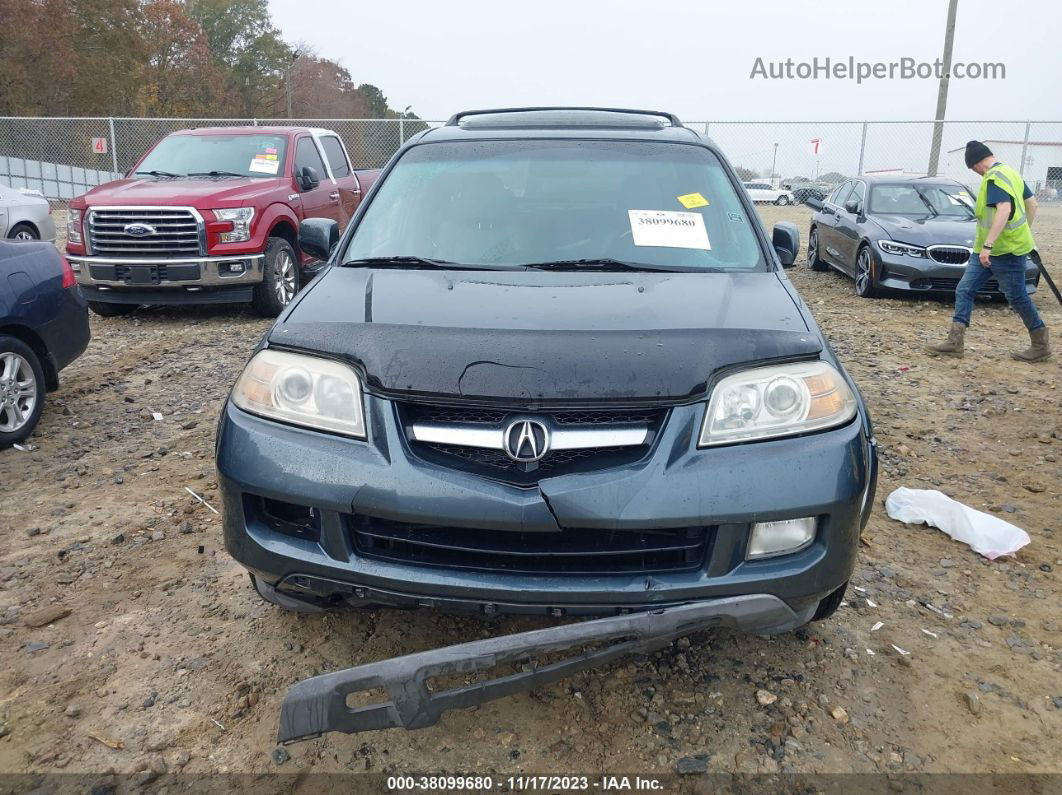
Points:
69	279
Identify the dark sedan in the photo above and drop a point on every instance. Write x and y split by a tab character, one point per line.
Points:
43	327
909	234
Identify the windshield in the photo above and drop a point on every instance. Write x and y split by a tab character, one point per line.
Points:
920	200
523	202
229	155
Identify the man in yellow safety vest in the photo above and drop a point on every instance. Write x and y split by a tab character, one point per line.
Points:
1005	211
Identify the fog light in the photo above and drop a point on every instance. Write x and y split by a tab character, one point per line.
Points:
780	538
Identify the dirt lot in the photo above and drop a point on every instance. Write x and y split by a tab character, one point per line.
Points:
166	660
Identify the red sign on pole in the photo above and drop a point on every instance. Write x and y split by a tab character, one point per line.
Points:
815	143
99	146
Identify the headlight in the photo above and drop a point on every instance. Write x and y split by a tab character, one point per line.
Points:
241	224
304	390
892	247
780	400
73	226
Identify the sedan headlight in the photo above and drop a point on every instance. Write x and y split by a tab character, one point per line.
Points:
892	247
73	226
241	224
304	390
781	400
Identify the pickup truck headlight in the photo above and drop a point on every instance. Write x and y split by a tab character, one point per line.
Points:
780	400
303	390
892	247
73	226
241	224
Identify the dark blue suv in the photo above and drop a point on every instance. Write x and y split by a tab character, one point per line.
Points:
554	367
43	327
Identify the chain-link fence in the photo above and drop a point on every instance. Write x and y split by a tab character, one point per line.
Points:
63	157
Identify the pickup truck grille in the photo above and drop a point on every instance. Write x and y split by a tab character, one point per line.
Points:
163	232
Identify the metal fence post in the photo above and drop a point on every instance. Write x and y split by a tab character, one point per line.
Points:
862	150
402	130
1024	149
114	144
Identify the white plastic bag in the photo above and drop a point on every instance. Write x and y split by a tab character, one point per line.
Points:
986	534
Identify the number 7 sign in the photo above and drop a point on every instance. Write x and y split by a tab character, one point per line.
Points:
816	143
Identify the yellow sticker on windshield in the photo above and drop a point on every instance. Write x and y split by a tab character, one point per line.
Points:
691	200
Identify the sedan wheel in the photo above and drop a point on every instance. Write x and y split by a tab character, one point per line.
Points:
782	200
814	262
18	392
864	275
23	231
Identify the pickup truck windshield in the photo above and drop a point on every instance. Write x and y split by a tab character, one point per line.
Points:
228	155
529	202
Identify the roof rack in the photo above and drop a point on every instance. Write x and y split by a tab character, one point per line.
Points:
454	120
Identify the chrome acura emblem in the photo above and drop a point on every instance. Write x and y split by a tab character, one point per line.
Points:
526	440
139	229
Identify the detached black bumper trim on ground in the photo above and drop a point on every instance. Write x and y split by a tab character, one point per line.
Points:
319	704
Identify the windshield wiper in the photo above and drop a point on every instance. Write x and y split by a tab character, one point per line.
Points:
422	263
214	174
156	173
609	264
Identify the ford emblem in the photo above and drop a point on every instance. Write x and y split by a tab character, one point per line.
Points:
139	230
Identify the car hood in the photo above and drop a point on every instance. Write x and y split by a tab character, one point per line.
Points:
927	230
533	335
180	191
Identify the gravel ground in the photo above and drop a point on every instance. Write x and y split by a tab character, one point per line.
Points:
157	656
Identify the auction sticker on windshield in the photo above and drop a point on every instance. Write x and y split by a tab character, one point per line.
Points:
671	229
263	165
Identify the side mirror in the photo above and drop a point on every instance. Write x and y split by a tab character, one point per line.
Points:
318	236
852	206
813	203
786	240
308	178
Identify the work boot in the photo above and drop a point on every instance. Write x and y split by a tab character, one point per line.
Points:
952	346
1038	350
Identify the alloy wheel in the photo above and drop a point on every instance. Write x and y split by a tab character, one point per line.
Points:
284	277
22	234
813	247
862	278
18	392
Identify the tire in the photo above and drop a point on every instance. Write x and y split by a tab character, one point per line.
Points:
814	262
828	606
23	231
21	390
280	279
111	310
864	274
782	201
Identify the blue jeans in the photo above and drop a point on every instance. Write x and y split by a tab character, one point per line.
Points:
1009	272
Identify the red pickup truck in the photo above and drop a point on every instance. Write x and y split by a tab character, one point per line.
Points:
212	216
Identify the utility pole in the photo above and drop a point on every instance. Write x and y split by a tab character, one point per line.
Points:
287	78
942	91
774	162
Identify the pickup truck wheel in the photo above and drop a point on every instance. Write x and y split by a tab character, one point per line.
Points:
280	279
21	390
111	310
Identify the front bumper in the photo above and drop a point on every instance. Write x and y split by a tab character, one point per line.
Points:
828	475
161	274
319	704
921	275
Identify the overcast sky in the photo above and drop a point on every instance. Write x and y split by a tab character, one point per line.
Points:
692	58
695	58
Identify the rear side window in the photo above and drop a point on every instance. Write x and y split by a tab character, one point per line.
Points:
337	158
306	155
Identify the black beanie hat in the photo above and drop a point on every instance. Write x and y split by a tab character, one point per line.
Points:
976	152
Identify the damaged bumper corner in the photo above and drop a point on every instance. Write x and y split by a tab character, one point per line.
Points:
319	704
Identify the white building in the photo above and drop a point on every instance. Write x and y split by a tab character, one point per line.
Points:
1042	168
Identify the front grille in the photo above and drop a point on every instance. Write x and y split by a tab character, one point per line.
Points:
991	286
497	465
173	232
574	551
949	255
